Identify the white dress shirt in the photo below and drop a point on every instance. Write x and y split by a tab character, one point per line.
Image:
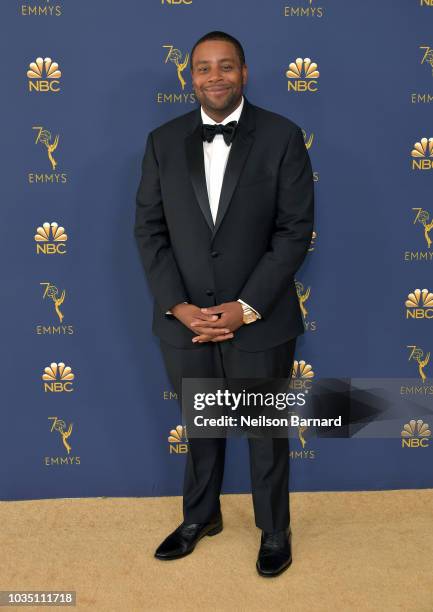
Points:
216	154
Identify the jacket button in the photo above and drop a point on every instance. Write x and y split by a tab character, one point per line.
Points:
209	292
214	254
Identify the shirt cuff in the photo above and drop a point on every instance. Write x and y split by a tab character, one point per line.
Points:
169	311
245	304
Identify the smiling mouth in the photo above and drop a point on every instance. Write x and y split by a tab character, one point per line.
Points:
216	89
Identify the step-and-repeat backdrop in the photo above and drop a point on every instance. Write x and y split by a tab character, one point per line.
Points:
87	409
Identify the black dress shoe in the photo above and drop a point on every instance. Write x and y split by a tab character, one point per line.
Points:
184	539
275	554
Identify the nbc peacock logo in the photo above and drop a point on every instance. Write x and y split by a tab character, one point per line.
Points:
419	304
50	239
176	2
302	375
415	434
44	75
422	154
177	440
302	76
57	378
301	380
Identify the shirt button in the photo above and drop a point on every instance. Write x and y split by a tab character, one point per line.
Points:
214	254
209	292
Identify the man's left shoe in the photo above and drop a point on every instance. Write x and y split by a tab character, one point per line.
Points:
275	554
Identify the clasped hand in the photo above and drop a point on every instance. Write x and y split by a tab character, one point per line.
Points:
206	323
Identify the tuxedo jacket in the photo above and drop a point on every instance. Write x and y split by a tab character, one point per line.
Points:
260	236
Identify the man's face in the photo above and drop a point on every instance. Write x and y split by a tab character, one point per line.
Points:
217	76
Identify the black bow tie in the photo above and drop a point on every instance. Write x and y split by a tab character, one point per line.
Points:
228	131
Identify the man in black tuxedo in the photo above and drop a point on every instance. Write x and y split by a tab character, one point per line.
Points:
224	218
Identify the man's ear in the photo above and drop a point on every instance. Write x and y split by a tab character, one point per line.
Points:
244	74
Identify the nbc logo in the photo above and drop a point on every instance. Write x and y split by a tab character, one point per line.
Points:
415	434
44	75
50	239
58	378
422	154
178	441
302	75
302	375
419	304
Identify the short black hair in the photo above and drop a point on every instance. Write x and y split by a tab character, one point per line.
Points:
218	35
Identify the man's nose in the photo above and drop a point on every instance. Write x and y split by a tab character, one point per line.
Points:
215	74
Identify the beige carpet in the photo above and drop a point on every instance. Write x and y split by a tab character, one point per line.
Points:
351	551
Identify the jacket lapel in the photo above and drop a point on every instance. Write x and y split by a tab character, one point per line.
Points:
195	160
238	154
239	151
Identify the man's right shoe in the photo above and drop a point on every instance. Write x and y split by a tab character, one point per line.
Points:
184	539
275	554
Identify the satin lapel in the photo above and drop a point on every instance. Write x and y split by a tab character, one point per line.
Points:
195	160
236	160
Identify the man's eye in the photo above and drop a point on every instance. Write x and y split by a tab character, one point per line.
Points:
227	67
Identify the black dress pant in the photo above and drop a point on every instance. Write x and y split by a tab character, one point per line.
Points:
269	457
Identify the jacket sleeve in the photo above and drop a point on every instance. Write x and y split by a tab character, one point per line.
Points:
152	236
292	233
